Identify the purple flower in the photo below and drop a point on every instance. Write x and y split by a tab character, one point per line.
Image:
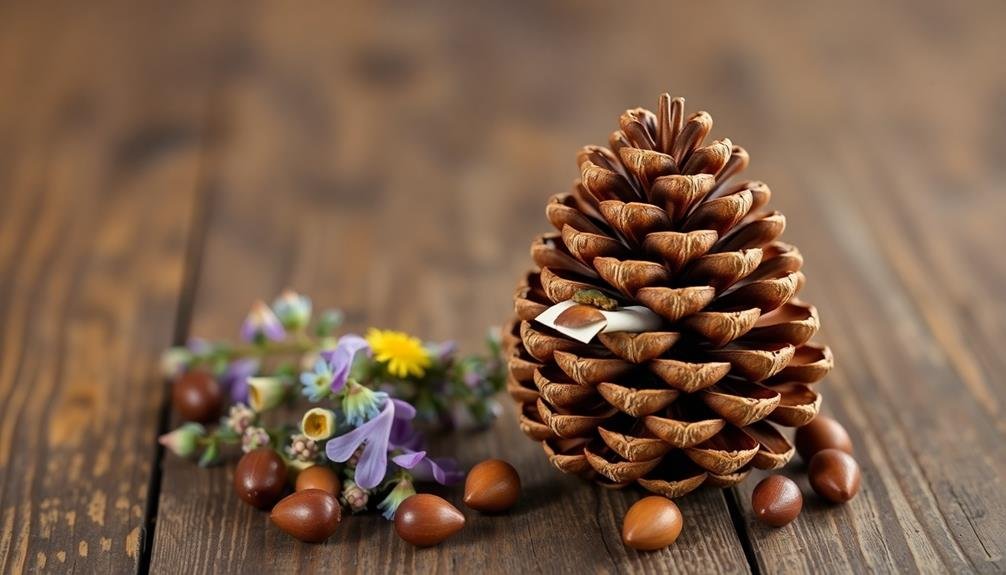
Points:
234	380
442	352
340	359
473	378
404	436
443	470
261	324
374	435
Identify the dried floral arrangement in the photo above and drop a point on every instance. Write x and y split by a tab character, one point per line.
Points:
359	438
660	341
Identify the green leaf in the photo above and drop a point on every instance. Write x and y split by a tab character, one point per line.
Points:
226	434
210	456
287	370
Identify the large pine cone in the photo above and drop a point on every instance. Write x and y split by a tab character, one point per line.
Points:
656	221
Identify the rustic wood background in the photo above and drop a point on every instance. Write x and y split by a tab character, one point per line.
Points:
163	165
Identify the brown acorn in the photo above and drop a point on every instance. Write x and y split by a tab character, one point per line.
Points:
492	486
319	477
311	515
260	478
776	500
661	220
821	433
651	523
196	396
834	475
424	520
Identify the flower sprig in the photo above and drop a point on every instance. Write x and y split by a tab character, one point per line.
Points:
368	392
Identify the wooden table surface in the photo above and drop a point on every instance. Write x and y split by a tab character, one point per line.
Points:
162	166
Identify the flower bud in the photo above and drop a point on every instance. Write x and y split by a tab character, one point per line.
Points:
354	496
174	361
293	310
261	324
239	418
265	393
400	493
318	423
328	322
361	403
183	441
253	438
302	448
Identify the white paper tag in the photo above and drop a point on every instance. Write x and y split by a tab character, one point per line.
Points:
634	319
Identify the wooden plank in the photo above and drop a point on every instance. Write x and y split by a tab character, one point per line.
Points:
873	220
99	154
932	505
904	263
351	165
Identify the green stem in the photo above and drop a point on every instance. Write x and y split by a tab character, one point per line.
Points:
299	344
303	343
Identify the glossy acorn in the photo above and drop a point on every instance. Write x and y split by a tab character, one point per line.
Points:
319	477
424	520
311	515
492	486
651	523
821	433
260	478
196	396
776	500
834	475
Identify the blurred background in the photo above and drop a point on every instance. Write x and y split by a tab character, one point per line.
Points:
399	152
163	165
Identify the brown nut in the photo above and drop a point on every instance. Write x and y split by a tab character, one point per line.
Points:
776	500
319	477
834	475
821	433
311	515
424	519
492	486
260	477
651	523
196	396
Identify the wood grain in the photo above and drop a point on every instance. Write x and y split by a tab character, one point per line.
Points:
99	155
394	160
355	246
908	386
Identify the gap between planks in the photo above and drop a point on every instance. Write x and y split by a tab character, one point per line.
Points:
194	250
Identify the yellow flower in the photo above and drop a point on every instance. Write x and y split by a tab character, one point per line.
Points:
404	354
318	424
265	393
